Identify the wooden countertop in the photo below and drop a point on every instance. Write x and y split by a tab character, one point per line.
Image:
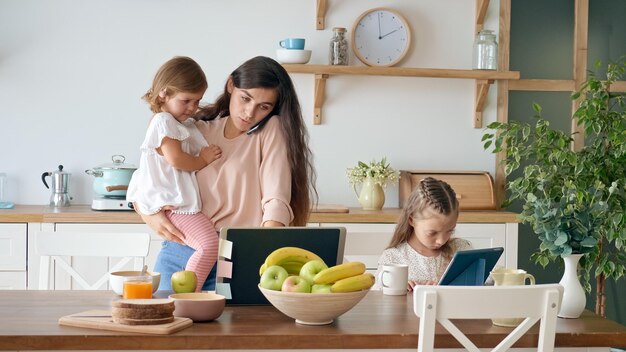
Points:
29	322
84	214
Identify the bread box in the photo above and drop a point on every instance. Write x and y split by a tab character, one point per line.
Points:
474	189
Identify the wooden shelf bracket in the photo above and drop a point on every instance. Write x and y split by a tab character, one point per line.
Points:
481	13
482	88
320	14
318	102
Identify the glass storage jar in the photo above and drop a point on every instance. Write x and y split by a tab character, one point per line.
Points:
338	54
485	51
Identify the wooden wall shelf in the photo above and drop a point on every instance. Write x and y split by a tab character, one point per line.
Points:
484	79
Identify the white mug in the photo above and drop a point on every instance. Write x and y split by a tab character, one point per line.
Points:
394	279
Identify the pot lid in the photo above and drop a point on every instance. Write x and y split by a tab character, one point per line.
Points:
118	163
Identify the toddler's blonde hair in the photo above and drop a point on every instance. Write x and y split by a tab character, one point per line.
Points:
179	74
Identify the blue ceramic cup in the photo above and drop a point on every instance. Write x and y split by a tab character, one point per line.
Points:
292	43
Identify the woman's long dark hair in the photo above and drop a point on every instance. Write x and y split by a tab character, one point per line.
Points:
263	72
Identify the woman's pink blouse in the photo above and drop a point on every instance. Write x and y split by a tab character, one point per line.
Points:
251	183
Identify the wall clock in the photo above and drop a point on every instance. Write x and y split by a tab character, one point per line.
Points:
381	37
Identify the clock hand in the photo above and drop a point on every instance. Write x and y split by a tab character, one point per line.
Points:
379	37
395	30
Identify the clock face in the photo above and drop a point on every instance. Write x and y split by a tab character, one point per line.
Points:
381	37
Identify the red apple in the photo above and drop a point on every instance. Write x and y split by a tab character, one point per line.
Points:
296	284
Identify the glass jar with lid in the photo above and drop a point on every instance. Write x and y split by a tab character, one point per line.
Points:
338	54
485	51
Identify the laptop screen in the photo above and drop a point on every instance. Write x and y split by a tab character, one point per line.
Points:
250	247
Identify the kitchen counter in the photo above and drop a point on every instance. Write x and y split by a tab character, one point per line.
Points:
84	214
29	322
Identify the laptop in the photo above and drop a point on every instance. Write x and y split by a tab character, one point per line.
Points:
250	247
471	267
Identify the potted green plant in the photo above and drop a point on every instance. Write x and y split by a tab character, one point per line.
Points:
573	199
373	177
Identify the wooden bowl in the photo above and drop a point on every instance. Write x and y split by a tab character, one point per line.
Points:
313	308
198	306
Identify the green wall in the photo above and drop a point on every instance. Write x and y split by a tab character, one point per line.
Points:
542	48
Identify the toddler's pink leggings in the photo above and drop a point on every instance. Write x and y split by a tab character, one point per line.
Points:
200	235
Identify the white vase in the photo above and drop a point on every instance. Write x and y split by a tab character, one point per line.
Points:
372	196
574	299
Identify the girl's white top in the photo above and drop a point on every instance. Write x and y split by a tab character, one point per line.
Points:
421	268
156	183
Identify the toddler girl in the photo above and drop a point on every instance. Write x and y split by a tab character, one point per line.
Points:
172	151
423	236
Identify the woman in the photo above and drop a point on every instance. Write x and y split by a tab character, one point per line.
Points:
265	176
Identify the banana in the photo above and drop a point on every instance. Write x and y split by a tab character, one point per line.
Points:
338	272
353	283
290	254
262	269
292	267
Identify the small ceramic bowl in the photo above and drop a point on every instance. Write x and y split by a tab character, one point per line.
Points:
117	278
198	306
293	56
313	308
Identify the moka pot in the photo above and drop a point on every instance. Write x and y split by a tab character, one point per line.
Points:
59	185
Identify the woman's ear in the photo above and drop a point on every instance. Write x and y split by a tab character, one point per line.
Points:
411	221
163	93
230	85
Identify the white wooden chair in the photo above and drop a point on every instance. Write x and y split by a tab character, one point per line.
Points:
442	303
54	246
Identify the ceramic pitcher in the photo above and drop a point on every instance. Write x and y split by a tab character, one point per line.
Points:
510	277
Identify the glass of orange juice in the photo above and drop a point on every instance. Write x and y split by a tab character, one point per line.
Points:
138	288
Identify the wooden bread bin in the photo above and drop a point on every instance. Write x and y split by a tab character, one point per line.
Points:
474	189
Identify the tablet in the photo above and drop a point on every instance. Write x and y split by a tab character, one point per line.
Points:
471	267
250	247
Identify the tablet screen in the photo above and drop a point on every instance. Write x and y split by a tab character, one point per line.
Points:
471	267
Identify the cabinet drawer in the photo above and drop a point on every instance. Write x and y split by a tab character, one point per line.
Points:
13	280
474	189
13	247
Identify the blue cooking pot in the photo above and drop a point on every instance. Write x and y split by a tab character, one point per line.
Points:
112	179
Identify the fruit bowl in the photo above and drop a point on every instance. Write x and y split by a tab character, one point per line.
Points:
313	308
117	278
198	306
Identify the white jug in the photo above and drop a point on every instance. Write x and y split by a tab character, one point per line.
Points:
510	277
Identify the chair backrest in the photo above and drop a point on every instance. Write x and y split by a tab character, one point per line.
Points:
442	303
54	247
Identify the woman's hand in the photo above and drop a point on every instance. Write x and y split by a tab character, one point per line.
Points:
162	225
413	283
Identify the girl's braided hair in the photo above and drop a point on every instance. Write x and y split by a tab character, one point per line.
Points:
430	193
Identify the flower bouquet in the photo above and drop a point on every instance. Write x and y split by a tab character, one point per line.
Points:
374	177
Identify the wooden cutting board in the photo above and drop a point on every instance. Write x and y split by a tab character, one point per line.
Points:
101	319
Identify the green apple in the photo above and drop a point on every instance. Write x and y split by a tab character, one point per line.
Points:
184	281
321	288
273	277
311	268
296	284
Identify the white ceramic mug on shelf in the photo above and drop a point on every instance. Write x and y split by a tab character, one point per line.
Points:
394	279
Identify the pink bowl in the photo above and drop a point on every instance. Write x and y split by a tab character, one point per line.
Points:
198	306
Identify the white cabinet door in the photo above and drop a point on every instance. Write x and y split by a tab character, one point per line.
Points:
13	238
13	247
91	268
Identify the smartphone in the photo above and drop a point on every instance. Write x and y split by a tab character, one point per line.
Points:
259	124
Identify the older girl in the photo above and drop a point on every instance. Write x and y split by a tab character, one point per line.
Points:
423	236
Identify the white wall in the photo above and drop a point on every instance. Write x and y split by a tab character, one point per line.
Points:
72	73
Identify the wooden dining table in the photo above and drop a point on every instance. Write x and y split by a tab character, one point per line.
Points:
29	321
